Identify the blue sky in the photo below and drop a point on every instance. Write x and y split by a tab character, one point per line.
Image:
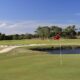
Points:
21	16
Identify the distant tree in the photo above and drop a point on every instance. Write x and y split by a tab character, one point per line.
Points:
54	30
15	37
2	36
43	32
69	32
78	33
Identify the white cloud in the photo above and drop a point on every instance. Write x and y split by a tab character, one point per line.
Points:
2	24
18	27
23	26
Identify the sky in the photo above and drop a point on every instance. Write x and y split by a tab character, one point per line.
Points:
24	16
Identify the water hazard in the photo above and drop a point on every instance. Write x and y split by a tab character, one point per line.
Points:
65	51
58	50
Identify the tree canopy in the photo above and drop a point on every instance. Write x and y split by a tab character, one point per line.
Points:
45	32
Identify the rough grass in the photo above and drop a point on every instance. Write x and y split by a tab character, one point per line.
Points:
38	41
23	64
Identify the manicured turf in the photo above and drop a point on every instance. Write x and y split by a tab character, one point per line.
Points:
37	41
23	64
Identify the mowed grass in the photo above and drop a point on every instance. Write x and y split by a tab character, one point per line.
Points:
38	41
23	64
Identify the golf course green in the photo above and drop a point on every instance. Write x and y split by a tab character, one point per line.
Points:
24	64
39	41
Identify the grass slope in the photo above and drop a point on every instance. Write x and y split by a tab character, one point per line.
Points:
23	64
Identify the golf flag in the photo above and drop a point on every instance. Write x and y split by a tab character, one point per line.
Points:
57	36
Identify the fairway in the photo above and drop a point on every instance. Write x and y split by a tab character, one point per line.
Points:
23	64
39	41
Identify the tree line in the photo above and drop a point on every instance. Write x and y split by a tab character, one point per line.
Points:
45	32
69	32
16	36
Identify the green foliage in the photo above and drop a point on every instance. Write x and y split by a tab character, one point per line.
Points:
69	32
44	32
47	32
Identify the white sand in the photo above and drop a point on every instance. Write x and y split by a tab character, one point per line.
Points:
9	48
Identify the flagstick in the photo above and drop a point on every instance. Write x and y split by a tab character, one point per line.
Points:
61	60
